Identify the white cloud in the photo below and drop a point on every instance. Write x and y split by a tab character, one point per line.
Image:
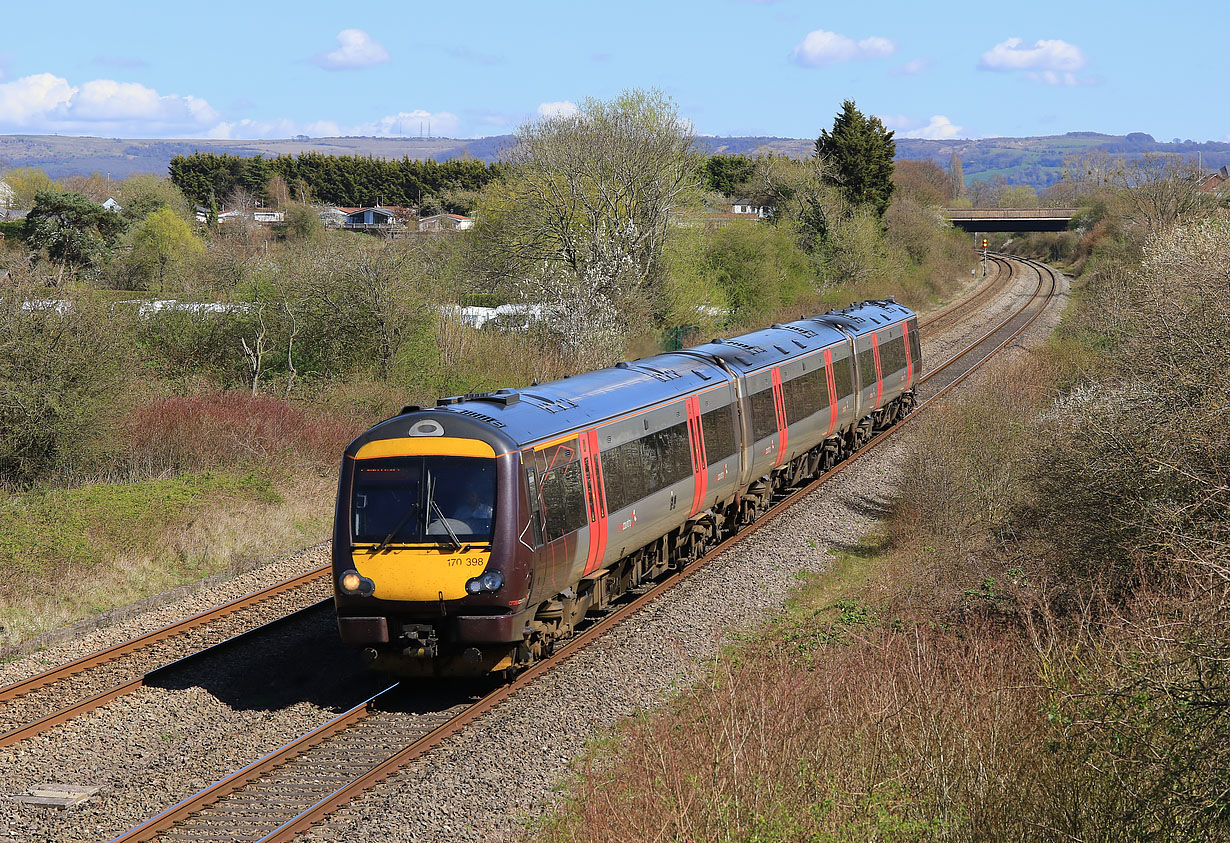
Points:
822	48
48	103
912	67
1051	62
564	108
356	49
940	128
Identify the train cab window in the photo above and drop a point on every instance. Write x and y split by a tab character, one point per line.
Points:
764	414
915	348
531	483
423	499
718	428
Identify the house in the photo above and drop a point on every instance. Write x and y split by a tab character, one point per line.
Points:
1214	181
7	197
445	222
375	218
112	205
265	216
751	208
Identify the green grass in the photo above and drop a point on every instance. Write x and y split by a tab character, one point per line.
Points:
43	532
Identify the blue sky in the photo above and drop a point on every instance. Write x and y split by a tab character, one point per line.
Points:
734	67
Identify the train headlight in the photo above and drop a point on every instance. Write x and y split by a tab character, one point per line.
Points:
489	581
352	582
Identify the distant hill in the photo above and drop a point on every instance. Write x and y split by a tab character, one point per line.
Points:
1037	161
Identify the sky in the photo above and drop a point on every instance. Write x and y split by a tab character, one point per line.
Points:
227	69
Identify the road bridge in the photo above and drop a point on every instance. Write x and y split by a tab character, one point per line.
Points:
1010	219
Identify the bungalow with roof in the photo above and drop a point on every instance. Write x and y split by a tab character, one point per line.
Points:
751	208
377	218
1214	181
445	222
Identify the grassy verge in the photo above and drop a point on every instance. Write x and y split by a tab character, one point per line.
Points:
68	553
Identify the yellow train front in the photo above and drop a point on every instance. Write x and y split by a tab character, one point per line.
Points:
429	575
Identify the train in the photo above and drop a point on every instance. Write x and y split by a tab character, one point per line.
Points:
472	537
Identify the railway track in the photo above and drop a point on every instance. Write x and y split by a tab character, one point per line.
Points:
288	791
950	315
40	702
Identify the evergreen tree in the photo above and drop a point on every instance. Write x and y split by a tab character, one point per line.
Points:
859	154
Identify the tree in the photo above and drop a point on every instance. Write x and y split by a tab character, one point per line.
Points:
922	181
71	228
727	174
161	244
143	194
26	183
956	177
303	221
580	220
860	153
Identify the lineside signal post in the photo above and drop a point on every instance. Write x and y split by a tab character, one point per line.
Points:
984	256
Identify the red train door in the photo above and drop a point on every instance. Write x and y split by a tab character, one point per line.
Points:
779	404
700	462
595	500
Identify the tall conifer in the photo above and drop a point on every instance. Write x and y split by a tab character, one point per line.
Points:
859	154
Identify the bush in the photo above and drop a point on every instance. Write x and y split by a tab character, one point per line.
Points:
226	428
63	378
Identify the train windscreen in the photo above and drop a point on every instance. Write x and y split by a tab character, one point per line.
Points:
405	500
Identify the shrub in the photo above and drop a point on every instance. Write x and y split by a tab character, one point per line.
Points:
226	428
63	374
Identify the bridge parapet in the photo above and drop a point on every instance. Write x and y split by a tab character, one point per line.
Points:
1010	219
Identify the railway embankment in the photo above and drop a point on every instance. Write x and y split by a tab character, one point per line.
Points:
1028	639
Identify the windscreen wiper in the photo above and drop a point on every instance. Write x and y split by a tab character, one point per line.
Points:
432	505
405	519
460	548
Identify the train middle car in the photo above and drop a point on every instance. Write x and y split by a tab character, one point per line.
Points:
472	536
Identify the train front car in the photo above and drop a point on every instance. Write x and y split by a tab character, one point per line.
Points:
429	577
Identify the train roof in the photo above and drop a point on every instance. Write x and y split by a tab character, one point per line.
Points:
541	411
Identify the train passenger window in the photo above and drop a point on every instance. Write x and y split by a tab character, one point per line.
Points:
718	428
843	379
563	501
892	356
620	472
668	455
805	395
531	482
764	414
867	367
